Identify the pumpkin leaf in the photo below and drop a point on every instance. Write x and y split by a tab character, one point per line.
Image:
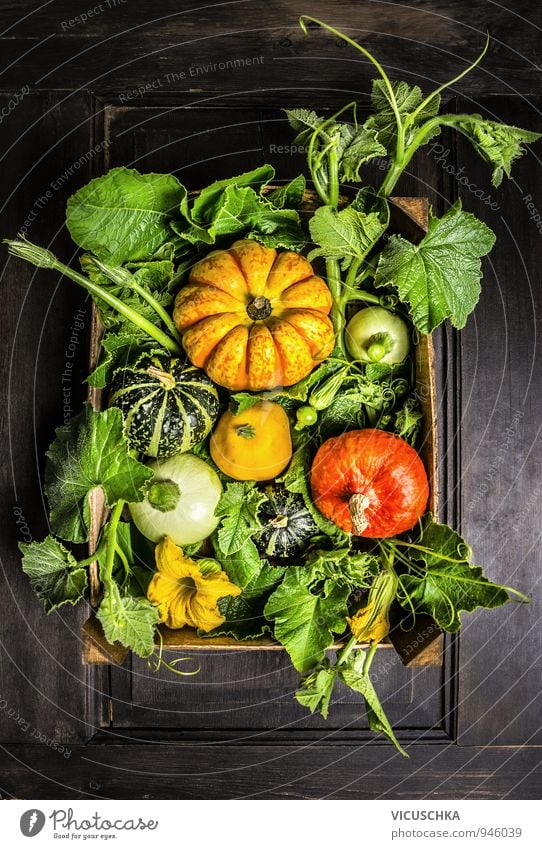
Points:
408	421
120	350
91	452
209	201
354	677
438	278
408	98
239	508
305	622
290	195
124	215
153	277
127	620
346	235
241	211
499	144
442	581
54	573
316	688
244	613
243	565
363	147
303	122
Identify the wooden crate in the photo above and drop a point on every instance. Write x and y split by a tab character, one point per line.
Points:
420	645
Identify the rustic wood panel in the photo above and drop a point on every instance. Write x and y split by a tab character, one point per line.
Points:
233	771
249	690
501	454
44	348
125	46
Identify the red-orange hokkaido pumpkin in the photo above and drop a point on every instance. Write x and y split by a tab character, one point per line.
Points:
370	483
254	318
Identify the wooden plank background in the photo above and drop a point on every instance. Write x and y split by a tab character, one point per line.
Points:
76	82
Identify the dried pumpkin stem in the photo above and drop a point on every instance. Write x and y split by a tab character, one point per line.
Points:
358	505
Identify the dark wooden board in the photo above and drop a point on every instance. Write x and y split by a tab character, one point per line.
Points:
141	44
185	771
501	456
41	676
489	688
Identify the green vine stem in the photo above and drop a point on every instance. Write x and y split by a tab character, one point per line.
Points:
42	258
111	543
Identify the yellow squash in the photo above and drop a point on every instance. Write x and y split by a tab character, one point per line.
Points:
254	445
254	318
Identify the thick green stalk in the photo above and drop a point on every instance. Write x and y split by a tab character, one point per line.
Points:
43	258
125	278
111	544
337	308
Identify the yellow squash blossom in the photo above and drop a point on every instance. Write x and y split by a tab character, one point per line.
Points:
371	624
183	594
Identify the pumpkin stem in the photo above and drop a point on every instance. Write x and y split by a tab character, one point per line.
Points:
247	431
259	308
164	495
279	521
163	376
357	505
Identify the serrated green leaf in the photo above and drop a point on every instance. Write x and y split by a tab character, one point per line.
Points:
120	349
211	198
499	144
408	98
354	677
91	452
303	122
363	146
290	195
304	623
124	215
244	613
345	235
446	584
408	421
243	565
440	277
238	507
129	621
316	688
54	573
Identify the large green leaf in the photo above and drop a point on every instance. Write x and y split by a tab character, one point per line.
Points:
124	215
244	613
443	583
316	688
363	147
54	573
305	622
354	677
129	621
440	277
91	452
408	98
499	144
345	235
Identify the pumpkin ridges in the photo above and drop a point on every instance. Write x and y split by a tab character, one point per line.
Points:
311	292
221	270
195	302
200	339
316	329
227	362
293	350
255	262
288	268
263	365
